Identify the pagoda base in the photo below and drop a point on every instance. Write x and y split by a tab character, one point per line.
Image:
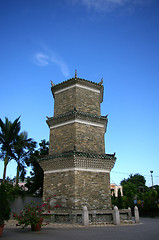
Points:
73	189
76	179
95	217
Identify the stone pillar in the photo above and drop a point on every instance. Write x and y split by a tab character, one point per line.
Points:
136	213
85	218
116	216
94	216
129	214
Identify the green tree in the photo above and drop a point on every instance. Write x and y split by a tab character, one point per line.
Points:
44	147
134	188
23	147
4	205
131	189
9	131
119	200
137	179
36	181
114	199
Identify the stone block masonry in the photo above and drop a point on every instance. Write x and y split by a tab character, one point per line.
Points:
75	189
78	179
83	137
84	95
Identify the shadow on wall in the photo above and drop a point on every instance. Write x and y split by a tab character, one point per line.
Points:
18	204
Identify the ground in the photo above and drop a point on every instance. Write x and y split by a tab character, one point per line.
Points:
148	229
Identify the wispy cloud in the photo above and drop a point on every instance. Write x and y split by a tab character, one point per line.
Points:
106	5
48	57
41	59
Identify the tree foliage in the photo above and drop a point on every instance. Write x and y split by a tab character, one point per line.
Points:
4	205
35	182
23	146
9	131
137	180
137	193
17	146
44	147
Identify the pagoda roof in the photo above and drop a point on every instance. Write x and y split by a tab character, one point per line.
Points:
79	79
77	153
78	113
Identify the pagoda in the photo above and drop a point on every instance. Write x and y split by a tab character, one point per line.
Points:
77	169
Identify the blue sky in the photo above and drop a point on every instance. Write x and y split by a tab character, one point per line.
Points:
43	40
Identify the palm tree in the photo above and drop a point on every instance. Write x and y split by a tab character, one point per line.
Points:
8	133
23	146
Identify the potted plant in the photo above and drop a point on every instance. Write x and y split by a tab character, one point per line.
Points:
4	207
32	215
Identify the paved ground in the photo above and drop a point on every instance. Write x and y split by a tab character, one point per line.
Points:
148	229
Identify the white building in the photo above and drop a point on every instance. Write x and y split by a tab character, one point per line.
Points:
114	189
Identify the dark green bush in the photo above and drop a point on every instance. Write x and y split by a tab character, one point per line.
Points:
4	205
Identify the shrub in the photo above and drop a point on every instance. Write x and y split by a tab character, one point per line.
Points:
4	205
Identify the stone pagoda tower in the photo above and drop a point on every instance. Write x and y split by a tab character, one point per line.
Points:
77	170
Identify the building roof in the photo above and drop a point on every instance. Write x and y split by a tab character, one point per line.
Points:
78	113
79	79
76	153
